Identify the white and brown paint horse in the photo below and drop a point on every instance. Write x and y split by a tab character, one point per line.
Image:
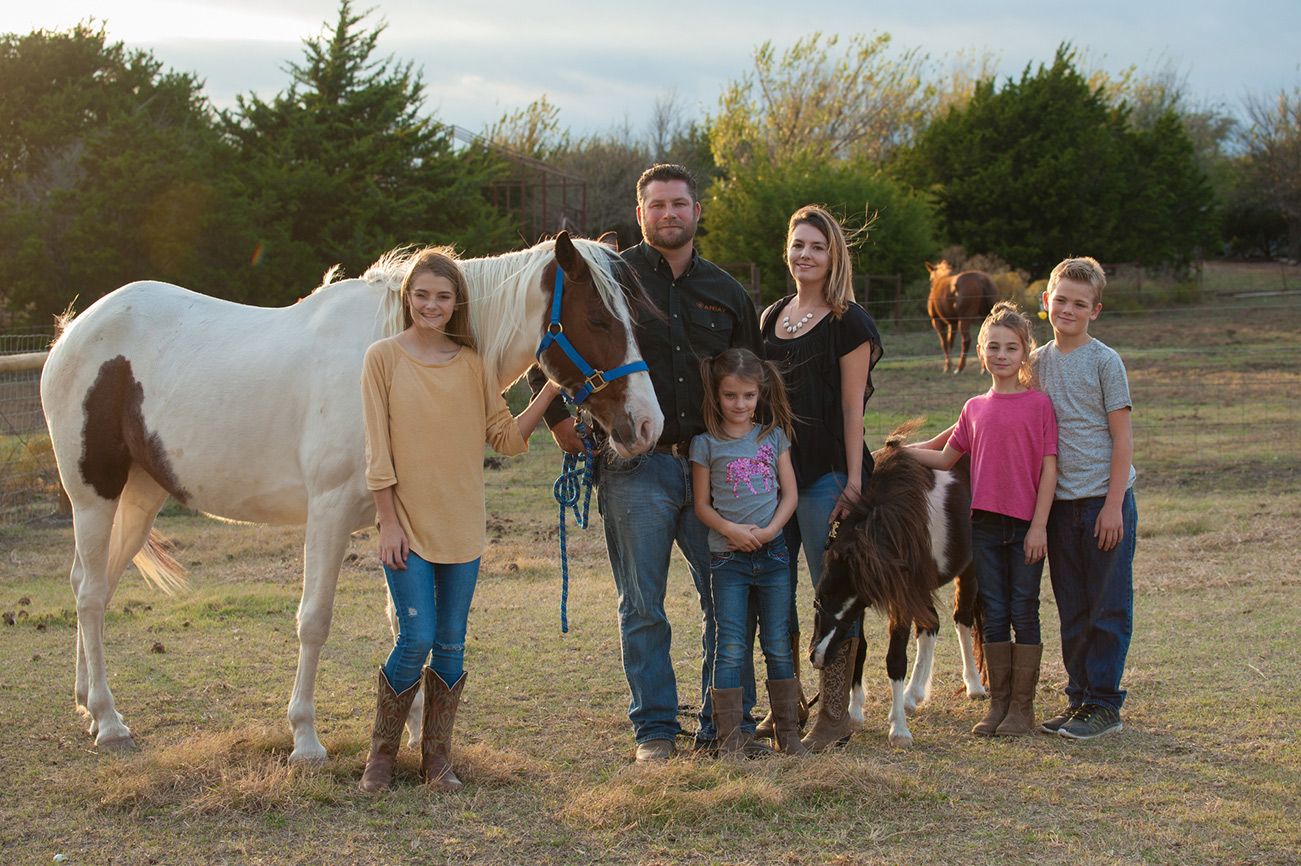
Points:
254	414
908	534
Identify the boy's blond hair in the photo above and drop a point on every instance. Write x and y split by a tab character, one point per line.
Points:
1082	269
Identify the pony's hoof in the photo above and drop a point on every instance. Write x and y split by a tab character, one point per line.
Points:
116	745
977	693
901	741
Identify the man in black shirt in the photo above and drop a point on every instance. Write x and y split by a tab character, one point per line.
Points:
646	501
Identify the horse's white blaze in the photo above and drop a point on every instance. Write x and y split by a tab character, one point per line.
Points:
919	684
939	524
899	734
819	656
970	675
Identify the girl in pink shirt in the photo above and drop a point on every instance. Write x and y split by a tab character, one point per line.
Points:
1011	434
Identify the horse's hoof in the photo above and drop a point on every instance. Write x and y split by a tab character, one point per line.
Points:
901	741
116	745
977	693
308	757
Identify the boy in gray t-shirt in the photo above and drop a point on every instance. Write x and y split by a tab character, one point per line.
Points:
1094	520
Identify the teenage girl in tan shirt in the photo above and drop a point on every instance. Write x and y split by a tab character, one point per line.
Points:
428	412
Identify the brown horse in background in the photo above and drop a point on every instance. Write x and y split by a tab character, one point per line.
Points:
957	300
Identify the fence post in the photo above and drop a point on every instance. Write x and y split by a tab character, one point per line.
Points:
898	297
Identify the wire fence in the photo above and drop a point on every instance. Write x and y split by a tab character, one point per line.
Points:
1218	412
29	486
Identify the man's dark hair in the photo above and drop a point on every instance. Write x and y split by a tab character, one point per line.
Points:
665	171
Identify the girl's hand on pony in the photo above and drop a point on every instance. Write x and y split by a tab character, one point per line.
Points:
847	498
393	547
1036	544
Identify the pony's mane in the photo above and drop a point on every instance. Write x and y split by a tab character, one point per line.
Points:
888	538
498	289
943	269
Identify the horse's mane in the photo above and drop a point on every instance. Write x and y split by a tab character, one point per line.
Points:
498	289
890	535
941	270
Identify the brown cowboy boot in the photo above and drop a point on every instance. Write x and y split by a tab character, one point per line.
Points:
390	715
436	732
1019	721
998	664
785	698
831	726
765	728
727	723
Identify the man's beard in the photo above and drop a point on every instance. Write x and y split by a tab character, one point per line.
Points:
678	235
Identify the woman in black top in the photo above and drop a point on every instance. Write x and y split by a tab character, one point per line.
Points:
826	346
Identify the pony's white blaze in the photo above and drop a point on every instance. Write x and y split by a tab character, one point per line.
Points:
819	655
253	414
970	675
939	524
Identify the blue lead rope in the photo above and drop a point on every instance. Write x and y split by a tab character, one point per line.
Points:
575	481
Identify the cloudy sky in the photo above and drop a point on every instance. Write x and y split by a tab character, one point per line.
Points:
604	64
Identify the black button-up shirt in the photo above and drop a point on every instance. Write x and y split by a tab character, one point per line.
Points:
705	311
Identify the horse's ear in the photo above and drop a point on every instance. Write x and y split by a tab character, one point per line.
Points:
930	268
610	239
568	257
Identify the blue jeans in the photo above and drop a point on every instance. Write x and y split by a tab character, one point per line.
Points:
432	601
808	529
646	505
1095	598
1009	589
739	577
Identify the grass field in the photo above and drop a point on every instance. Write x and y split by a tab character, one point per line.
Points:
1208	769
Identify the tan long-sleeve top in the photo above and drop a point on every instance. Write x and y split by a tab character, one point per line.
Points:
425	429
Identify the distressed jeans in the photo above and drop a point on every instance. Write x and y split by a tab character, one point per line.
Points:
1095	598
646	505
432	601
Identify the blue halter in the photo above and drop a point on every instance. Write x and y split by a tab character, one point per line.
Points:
593	380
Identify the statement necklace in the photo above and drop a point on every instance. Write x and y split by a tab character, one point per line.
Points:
791	329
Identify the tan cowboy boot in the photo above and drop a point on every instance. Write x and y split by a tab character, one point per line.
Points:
831	725
765	728
1019	721
785	698
390	715
436	732
727	723
998	664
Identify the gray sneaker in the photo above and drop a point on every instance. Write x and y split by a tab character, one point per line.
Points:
1092	721
1053	725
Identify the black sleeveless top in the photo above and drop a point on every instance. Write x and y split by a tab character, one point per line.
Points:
810	365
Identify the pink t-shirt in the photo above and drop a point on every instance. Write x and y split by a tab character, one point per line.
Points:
1008	436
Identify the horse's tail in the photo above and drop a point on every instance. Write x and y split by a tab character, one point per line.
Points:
388	272
157	565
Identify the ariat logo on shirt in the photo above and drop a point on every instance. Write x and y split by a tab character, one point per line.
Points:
713	308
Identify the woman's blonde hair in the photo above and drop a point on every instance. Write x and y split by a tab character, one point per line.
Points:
774	408
1006	314
839	289
441	262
